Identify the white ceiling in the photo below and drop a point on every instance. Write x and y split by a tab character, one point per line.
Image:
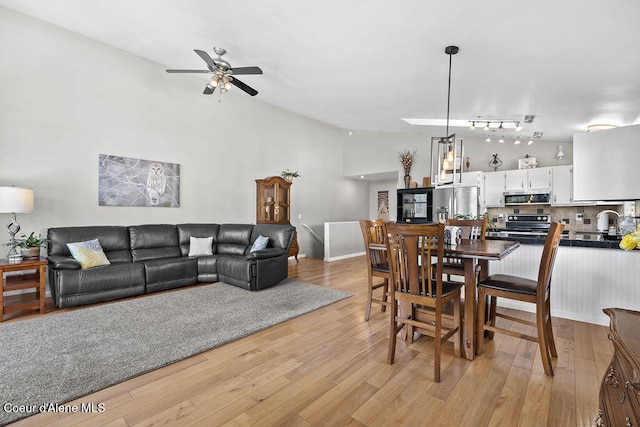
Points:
366	64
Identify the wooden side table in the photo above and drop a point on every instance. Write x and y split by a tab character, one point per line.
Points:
16	282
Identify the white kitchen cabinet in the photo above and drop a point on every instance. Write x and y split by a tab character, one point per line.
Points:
494	189
562	187
528	179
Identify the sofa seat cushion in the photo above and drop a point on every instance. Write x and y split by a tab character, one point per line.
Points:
208	264
168	269
98	279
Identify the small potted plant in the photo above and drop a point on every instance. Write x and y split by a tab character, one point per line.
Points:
30	245
288	175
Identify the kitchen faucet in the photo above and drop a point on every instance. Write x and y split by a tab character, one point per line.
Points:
607	211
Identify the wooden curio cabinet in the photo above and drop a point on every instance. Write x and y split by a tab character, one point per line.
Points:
273	205
272	201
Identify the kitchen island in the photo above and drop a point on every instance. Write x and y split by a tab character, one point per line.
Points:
589	275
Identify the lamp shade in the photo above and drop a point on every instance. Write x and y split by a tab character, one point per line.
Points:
16	199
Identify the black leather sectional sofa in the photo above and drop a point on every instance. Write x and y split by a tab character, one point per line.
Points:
154	257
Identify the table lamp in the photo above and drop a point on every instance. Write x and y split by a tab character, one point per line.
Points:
12	200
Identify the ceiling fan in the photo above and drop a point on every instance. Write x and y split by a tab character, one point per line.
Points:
223	74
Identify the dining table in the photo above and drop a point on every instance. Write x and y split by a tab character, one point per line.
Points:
473	253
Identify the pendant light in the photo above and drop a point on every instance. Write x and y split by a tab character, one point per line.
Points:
449	151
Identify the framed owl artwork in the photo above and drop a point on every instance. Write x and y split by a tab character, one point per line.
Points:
126	181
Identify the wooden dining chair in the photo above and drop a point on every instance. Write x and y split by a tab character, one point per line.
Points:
377	263
471	229
537	292
411	248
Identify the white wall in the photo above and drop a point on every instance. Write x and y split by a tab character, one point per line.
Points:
65	99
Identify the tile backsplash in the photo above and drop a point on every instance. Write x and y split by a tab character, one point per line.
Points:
565	214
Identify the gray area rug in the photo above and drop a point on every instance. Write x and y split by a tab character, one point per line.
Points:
58	358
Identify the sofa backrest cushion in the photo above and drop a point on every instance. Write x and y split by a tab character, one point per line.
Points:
280	235
234	239
113	239
154	241
186	231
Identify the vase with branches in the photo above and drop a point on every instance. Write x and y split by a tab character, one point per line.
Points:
407	158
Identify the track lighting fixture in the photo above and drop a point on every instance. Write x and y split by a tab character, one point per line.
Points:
498	124
473	126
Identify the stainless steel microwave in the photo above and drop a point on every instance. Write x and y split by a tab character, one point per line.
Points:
529	198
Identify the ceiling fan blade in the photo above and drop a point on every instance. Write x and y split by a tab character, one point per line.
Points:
208	90
246	70
188	71
205	56
242	86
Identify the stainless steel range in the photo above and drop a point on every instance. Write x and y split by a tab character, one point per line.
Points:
527	225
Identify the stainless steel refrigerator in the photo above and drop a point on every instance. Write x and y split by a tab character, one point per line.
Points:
453	201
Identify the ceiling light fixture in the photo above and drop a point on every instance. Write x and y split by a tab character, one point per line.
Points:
530	141
501	140
488	139
517	141
500	124
600	126
473	126
448	149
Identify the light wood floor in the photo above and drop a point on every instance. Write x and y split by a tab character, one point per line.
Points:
328	368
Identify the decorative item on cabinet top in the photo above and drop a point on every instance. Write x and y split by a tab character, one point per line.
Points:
407	158
527	162
288	175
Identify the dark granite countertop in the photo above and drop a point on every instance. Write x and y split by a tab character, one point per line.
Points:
566	241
